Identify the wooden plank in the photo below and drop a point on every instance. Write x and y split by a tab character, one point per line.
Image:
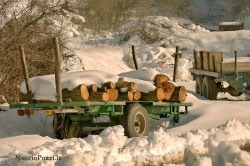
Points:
229	67
205	60
218	59
212	60
198	60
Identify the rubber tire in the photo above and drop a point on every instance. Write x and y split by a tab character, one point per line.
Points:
57	126
209	88
66	128
198	85
135	115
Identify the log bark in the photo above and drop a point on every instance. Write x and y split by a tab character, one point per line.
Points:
160	78
156	95
136	95
123	96
113	94
179	94
80	93
98	96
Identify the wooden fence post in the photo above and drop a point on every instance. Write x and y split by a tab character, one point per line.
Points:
58	71
134	57
177	56
26	77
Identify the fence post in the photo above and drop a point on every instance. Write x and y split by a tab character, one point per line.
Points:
134	57
177	56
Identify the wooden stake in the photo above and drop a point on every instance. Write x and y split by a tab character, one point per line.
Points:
58	71
176	61
26	78
134	57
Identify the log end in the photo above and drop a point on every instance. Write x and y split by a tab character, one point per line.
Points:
84	92
105	96
137	95
113	94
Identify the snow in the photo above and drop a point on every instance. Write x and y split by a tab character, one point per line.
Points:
210	134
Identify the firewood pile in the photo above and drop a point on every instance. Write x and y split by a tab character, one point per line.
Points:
123	90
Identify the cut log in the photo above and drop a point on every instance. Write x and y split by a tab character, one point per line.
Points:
136	95
132	86
80	93
160	78
179	94
106	86
113	94
156	95
92	88
98	96
121	84
123	96
109	85
168	88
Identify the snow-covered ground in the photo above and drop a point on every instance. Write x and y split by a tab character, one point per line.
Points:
210	134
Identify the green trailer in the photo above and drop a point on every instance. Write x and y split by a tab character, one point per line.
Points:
70	118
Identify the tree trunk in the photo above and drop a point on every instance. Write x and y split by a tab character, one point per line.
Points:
156	95
179	94
98	96
123	96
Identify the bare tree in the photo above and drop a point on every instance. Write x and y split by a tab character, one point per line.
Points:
29	23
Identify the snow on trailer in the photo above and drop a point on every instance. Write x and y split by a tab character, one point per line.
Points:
129	102
210	71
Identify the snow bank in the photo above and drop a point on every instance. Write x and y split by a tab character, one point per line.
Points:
217	146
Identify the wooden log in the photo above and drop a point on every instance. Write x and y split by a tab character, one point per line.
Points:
168	88
98	96
120	85
132	86
92	88
136	95
156	95
123	96
179	94
160	78
106	86
79	93
113	94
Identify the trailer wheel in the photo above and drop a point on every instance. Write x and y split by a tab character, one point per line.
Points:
198	85
71	129
57	126
209	88
135	120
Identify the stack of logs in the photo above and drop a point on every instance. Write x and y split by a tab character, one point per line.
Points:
123	91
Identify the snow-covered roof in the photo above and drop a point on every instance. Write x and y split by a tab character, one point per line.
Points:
230	23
